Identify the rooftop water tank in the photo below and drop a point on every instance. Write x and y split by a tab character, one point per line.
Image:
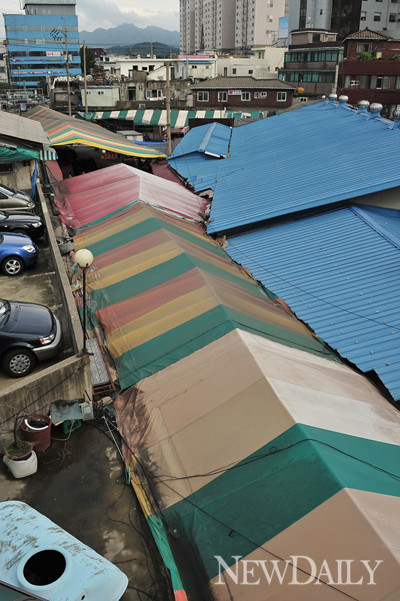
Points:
42	559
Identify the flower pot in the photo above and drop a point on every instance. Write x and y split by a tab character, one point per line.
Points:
22	464
37	429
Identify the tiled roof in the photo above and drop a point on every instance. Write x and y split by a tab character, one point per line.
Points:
368	34
236	83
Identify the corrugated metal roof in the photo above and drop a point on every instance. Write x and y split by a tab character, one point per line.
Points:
212	139
236	83
312	157
339	272
17	127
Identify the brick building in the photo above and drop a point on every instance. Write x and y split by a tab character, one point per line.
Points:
243	92
374	77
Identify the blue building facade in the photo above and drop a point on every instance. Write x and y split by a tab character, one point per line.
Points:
37	41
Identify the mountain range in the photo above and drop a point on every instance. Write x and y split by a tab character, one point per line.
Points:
129	34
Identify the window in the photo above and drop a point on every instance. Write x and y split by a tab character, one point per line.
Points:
250	71
222	96
363	15
260	94
246	96
392	17
377	16
362	48
234	71
202	96
281	96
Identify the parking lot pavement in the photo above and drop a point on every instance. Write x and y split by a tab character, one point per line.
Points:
37	285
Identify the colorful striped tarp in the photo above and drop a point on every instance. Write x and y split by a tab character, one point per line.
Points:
62	130
161	289
262	455
97	195
178	118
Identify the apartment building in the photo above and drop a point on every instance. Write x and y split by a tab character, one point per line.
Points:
226	25
43	42
346	16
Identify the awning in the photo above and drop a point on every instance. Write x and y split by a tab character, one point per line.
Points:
179	119
48	154
62	130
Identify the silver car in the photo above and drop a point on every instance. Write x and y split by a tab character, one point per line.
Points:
14	200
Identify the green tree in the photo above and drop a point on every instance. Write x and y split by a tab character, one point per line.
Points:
90	59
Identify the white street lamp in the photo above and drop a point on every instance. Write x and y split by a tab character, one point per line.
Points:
84	259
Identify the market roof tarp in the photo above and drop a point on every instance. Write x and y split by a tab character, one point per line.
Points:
97	195
261	451
9	155
161	290
178	118
63	129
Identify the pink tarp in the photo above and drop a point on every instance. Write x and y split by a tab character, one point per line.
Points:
92	196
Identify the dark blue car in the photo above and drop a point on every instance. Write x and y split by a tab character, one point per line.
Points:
17	252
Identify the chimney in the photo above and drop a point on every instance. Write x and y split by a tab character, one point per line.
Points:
375	110
332	99
396	120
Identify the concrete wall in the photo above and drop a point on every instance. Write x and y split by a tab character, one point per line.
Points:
69	379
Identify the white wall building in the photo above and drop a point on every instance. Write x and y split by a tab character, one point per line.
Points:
264	68
101	96
229	24
184	67
3	63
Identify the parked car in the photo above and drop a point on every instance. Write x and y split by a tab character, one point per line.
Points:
11	199
17	252
22	223
28	333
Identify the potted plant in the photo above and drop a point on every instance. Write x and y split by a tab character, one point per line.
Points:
19	457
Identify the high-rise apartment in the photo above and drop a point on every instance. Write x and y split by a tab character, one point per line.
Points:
43	42
229	24
346	16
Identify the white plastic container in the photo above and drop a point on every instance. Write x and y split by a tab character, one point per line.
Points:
22	468
42	559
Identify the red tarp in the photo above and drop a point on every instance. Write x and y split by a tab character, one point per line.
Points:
92	196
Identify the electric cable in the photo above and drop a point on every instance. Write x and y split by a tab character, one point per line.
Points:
232	530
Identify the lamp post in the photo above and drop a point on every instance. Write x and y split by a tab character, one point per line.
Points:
84	259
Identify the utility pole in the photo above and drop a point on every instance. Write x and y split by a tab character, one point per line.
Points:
67	66
84	75
168	108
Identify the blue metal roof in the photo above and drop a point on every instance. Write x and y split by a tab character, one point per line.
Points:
340	273
302	159
212	139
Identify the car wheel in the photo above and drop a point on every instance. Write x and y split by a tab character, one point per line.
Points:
12	265
18	362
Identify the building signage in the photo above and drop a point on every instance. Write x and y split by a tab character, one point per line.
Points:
53	53
234	92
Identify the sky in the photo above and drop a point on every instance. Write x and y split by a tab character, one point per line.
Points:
101	13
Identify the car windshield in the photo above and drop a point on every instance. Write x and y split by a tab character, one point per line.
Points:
7	190
4	309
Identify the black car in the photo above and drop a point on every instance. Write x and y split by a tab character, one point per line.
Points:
28	333
22	223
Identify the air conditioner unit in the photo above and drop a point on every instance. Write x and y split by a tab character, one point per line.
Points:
142	106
